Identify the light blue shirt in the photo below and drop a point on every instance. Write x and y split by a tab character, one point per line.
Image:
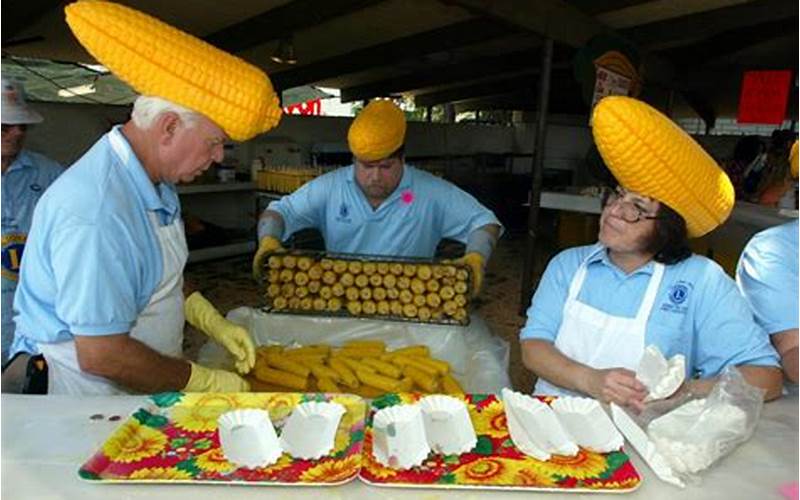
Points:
698	310
409	223
93	259
767	276
23	184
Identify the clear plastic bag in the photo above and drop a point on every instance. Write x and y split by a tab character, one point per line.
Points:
693	433
478	359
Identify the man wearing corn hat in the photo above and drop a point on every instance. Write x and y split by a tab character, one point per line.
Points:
25	177
767	275
597	307
381	206
101	285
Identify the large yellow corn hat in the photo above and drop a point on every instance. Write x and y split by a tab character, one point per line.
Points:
793	159
378	131
158	60
651	155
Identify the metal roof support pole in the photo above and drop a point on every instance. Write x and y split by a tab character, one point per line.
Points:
536	185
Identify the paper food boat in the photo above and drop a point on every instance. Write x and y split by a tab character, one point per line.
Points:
310	430
587	423
534	427
661	377
448	427
398	437
248	438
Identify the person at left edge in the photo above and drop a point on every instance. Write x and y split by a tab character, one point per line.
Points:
101	285
26	175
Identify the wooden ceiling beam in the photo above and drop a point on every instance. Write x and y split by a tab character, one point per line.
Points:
688	29
437	40
281	22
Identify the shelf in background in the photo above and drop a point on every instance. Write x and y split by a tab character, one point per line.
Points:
216	187
217	252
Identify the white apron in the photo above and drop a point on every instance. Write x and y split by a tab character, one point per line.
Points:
598	339
159	326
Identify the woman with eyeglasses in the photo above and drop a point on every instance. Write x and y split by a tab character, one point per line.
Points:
597	307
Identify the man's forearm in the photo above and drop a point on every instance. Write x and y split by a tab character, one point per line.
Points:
543	359
130	363
483	240
270	224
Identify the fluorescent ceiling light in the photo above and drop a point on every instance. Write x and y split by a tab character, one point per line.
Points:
77	90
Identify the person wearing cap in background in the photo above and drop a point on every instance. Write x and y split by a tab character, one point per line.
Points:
767	275
101	285
381	206
597	307
26	175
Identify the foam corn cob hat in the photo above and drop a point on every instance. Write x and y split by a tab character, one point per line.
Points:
651	155
793	159
377	131
159	60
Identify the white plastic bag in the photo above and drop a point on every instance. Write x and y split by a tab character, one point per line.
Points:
479	360
693	433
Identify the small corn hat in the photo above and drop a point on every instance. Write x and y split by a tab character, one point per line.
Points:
377	131
651	155
793	159
159	60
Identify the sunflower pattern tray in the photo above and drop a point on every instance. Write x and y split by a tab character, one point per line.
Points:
174	440
495	463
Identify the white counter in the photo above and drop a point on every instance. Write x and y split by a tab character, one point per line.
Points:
46	438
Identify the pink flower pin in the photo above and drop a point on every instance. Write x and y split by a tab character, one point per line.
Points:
407	197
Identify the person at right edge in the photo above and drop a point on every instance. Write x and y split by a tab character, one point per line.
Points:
597	307
767	275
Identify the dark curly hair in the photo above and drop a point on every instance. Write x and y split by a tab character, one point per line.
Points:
669	241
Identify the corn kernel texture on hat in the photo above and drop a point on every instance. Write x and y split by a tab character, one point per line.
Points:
793	159
377	131
651	155
158	60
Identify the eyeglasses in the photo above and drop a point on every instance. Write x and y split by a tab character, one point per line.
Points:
629	210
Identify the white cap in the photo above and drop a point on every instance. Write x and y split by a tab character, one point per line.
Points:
15	110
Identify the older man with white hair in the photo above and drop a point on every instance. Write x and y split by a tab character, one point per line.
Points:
25	177
101	290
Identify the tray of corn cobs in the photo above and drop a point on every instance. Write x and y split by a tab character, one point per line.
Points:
374	287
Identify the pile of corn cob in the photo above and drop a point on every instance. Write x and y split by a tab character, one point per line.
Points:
365	368
435	293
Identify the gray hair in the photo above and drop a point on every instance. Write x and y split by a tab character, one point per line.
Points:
146	109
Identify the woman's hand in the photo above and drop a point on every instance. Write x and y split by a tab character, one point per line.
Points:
615	385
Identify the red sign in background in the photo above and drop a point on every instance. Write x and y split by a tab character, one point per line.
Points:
764	97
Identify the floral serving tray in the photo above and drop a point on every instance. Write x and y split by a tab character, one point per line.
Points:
495	462
174	440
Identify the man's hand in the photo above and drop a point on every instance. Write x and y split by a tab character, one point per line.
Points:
616	385
267	245
205	379
475	262
201	314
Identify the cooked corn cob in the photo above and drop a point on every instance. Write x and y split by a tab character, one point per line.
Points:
286	364
450	385
281	378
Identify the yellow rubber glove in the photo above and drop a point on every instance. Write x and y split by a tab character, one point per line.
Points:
205	379
201	314
475	261
267	245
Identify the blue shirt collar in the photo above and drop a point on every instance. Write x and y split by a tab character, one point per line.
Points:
23	160
600	255
156	197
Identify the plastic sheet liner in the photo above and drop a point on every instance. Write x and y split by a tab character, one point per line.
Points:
479	360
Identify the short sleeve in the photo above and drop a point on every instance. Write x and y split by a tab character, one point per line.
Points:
96	279
463	214
725	332
547	305
304	208
765	279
